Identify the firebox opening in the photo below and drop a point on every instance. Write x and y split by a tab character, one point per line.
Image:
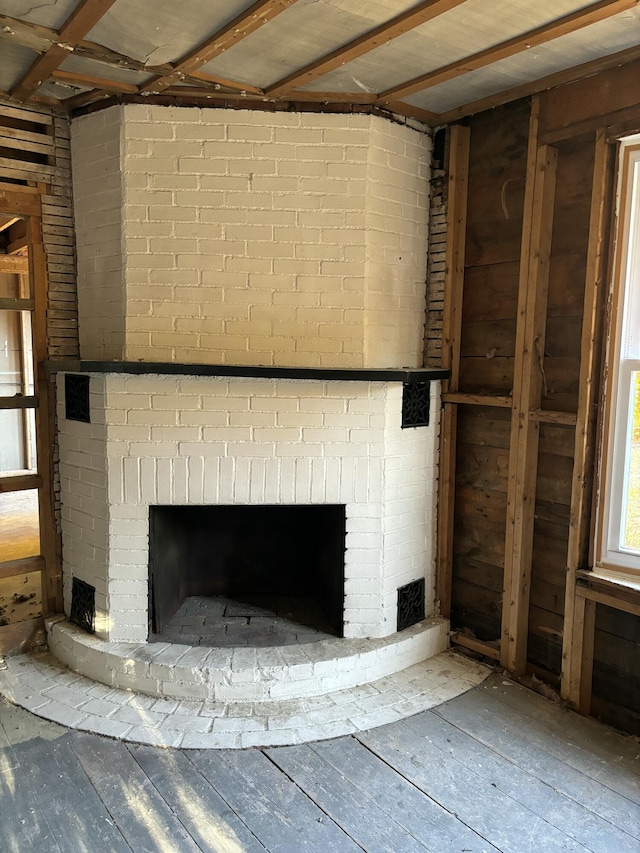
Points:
288	560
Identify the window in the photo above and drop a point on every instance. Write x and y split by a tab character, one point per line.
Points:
618	544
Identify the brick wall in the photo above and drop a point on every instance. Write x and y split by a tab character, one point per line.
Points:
206	441
98	199
436	266
251	237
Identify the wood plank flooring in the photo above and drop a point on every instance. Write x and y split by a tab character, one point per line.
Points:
496	769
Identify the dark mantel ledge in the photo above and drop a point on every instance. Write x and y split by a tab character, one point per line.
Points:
407	375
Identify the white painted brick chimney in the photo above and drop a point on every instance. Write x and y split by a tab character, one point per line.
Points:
224	236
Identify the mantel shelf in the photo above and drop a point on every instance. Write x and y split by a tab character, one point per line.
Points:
408	375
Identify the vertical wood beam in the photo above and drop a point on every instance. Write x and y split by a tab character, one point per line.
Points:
45	435
527	394
579	614
577	682
459	141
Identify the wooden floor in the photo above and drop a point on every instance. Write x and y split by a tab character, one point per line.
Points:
498	768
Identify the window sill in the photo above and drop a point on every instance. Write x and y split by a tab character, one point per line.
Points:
620	592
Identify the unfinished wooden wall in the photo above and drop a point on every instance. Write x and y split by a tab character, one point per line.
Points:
496	182
34	149
525	301
35	167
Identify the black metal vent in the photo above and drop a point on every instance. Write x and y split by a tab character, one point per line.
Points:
83	605
410	604
76	398
416	398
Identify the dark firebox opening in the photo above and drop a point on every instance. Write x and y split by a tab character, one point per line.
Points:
287	559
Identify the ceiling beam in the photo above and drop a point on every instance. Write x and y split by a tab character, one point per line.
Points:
242	26
383	34
563	26
26	34
40	39
85	16
219	83
87	81
399	107
542	84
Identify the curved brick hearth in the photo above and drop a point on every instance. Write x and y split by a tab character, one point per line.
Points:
42	685
244	674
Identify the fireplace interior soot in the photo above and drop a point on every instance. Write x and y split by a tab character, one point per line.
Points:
288	560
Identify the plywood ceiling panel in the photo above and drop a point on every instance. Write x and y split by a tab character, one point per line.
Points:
463	31
48	14
157	31
280	47
597	41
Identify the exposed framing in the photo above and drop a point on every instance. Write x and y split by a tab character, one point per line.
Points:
169	78
26	201
375	38
579	622
459	142
530	333
526	41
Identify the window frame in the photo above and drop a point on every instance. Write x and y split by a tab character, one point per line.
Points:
617	395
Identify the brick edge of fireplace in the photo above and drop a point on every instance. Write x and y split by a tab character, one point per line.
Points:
244	674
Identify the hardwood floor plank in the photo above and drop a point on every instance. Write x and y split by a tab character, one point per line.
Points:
278	813
73	811
23	827
521	740
514	780
142	816
375	830
397	797
591	746
207	817
498	769
485	805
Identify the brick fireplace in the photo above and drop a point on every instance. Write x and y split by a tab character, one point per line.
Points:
207	441
251	301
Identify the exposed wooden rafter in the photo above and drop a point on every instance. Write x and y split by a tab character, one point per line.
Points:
243	25
185	79
534	38
40	39
82	20
83	80
559	78
383	34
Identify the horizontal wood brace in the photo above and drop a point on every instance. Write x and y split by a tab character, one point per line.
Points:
477	399
476	645
546	417
9	304
19	402
13	568
20	482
